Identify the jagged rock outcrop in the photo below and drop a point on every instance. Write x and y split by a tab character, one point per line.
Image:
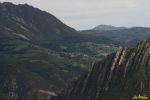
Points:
118	77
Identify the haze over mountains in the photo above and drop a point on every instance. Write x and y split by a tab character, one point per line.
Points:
103	27
40	55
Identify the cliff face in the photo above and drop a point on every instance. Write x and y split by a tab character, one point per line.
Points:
118	77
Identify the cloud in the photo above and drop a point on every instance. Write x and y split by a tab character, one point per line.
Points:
84	14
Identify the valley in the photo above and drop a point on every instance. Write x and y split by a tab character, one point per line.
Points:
41	57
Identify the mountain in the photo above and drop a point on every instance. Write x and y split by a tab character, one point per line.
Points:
103	27
125	36
38	26
121	76
41	27
39	54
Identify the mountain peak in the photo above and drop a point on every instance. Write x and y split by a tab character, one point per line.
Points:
35	23
104	27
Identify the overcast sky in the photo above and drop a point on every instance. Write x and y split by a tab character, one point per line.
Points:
86	14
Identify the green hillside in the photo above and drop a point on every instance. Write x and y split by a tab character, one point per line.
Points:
39	52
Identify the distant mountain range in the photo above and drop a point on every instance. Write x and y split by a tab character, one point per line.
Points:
123	35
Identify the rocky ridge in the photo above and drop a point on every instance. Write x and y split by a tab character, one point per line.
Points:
118	77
